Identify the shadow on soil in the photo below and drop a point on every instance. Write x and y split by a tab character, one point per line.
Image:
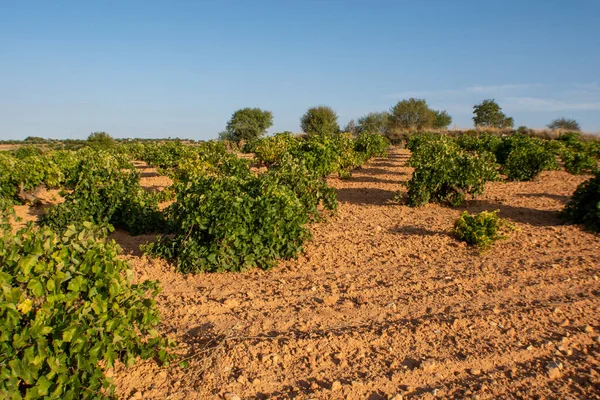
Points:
557	197
523	215
415	230
365	196
131	244
375	180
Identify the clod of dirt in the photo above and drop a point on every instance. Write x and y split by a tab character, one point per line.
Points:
475	371
231	396
588	329
554	369
335	386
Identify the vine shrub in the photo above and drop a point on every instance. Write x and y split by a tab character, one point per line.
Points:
105	192
527	161
67	307
584	206
445	173
480	230
235	222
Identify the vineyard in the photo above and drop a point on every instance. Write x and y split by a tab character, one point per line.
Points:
317	266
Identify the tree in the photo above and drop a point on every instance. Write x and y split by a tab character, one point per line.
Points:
100	139
412	114
489	114
374	122
442	119
320	120
415	114
248	123
564	124
351	127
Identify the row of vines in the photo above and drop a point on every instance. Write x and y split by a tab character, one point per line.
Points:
449	170
67	300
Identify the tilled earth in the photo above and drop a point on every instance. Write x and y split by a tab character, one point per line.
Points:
385	302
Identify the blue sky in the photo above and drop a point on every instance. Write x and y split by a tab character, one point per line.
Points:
181	68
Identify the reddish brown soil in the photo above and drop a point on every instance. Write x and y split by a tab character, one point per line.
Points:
386	302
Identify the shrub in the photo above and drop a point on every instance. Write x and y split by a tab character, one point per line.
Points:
320	120
479	143
371	145
232	222
564	123
481	230
445	173
577	160
584	206
270	150
527	159
69	310
103	191
101	140
225	222
248	124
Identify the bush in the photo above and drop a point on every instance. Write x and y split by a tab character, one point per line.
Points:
564	123
270	150
584	206
445	173
104	192
224	222
528	159
101	140
481	230
320	120
69	310
371	145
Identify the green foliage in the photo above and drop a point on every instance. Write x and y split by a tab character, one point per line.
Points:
101	140
67	307
248	124
320	120
442	119
481	230
412	114
27	151
446	173
104	190
225	222
488	113
584	206
579	157
371	145
479	143
524	158
270	150
375	122
564	124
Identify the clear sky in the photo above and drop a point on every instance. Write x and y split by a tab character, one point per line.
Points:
181	68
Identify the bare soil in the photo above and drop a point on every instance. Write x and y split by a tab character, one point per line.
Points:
385	301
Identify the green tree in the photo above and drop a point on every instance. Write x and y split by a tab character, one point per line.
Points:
100	139
374	122
564	124
489	114
442	119
412	114
320	120
248	124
